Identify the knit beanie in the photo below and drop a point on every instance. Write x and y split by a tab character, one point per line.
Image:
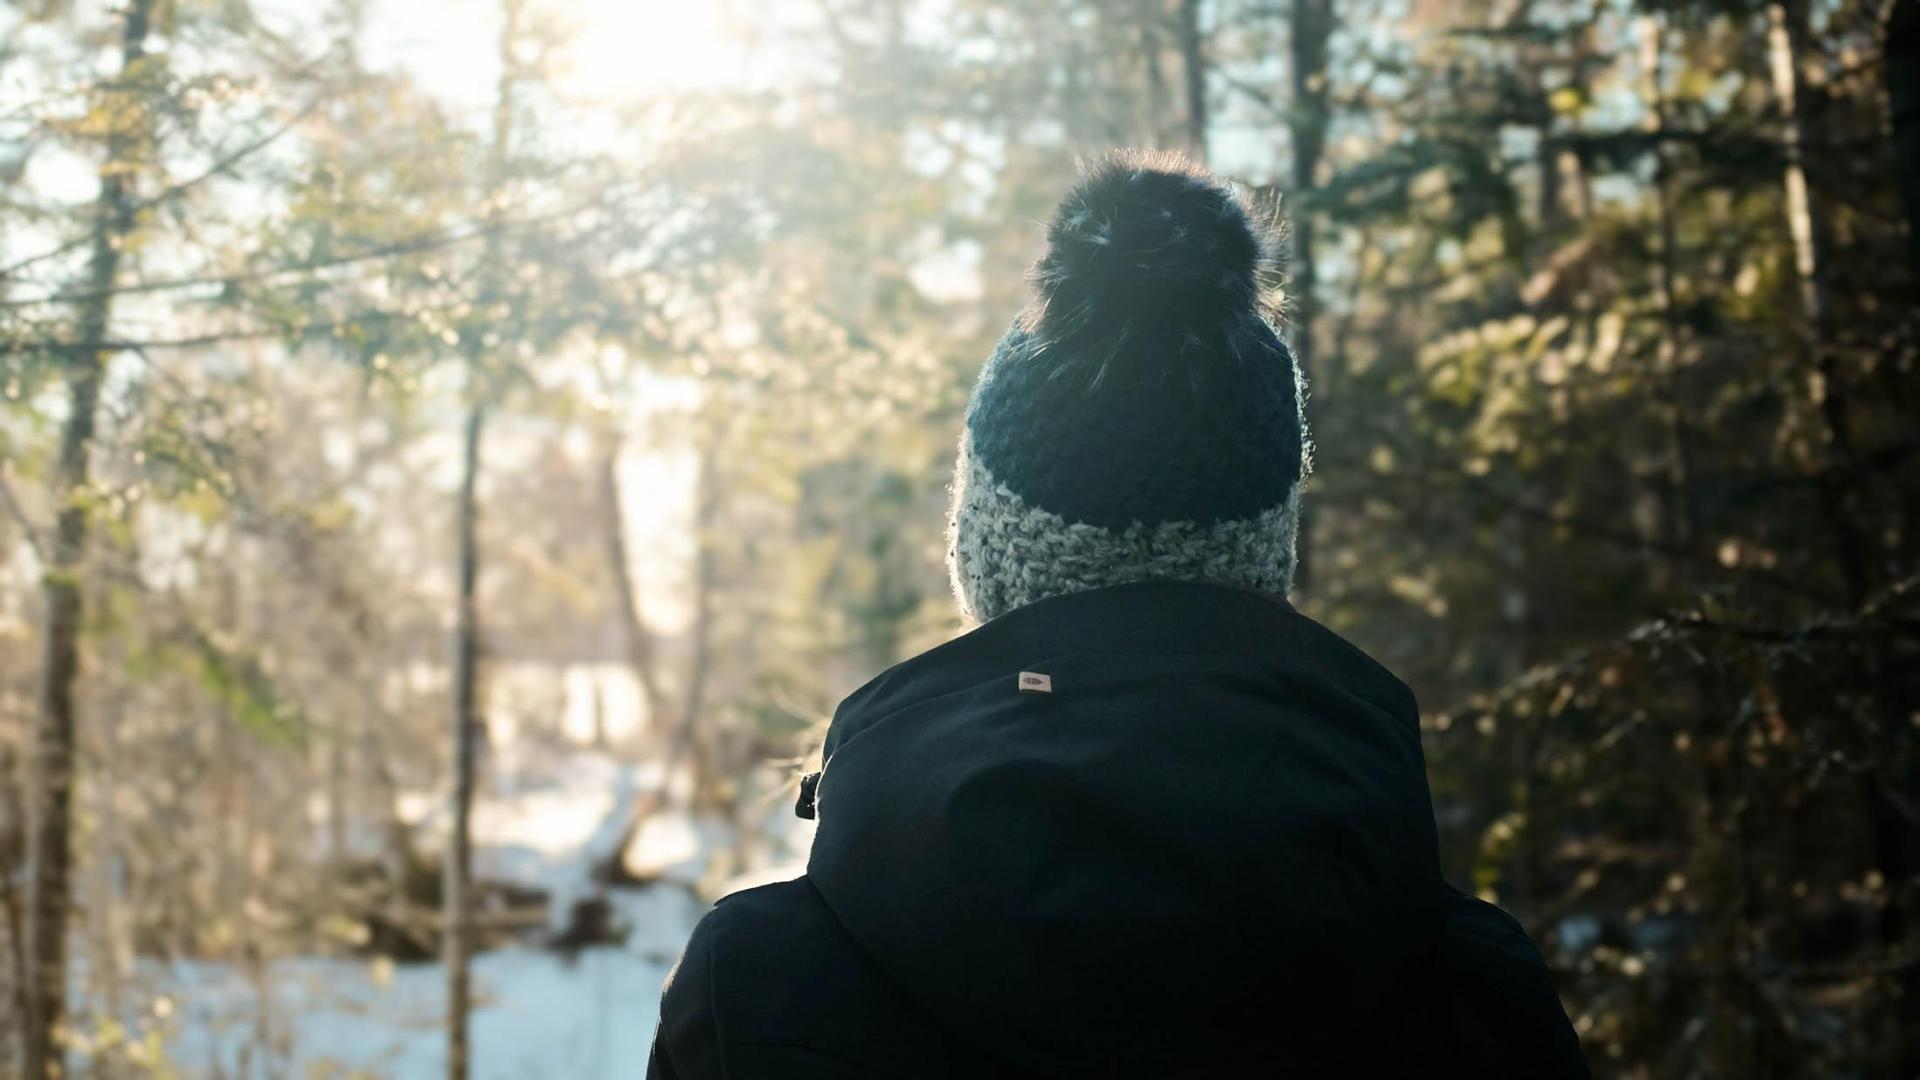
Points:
1140	420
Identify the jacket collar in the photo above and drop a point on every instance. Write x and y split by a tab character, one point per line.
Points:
1156	617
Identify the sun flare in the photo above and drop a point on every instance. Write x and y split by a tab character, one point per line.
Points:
627	49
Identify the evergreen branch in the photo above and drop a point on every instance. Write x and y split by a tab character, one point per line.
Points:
1867	622
172	191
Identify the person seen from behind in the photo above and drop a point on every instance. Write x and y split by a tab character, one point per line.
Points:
1145	820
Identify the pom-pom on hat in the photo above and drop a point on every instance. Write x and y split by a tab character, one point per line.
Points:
1141	419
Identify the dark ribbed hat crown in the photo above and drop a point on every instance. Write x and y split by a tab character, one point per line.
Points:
1145	383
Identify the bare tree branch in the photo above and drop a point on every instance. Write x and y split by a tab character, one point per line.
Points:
170	192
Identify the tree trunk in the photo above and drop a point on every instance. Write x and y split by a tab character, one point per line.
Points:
457	945
1159	105
51	769
1903	100
1896	841
641	653
706	580
1787	34
683	740
1677	509
1194	63
110	956
600	739
13	844
1895	838
1307	123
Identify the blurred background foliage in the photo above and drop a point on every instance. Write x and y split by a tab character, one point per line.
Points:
1608	309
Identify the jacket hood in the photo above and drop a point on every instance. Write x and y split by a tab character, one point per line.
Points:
1215	823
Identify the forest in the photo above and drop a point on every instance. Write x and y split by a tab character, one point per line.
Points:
454	455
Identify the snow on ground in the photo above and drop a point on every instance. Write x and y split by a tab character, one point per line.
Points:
543	817
537	1014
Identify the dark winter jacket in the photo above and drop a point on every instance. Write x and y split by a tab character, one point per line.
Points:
1206	850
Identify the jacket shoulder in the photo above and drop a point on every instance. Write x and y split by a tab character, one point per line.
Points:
1502	1011
770	984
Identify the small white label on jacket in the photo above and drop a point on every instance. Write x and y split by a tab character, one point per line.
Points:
1033	682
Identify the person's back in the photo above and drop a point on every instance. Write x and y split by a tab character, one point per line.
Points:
1147	820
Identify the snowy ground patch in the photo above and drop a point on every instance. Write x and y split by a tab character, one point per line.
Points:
544	819
537	1013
